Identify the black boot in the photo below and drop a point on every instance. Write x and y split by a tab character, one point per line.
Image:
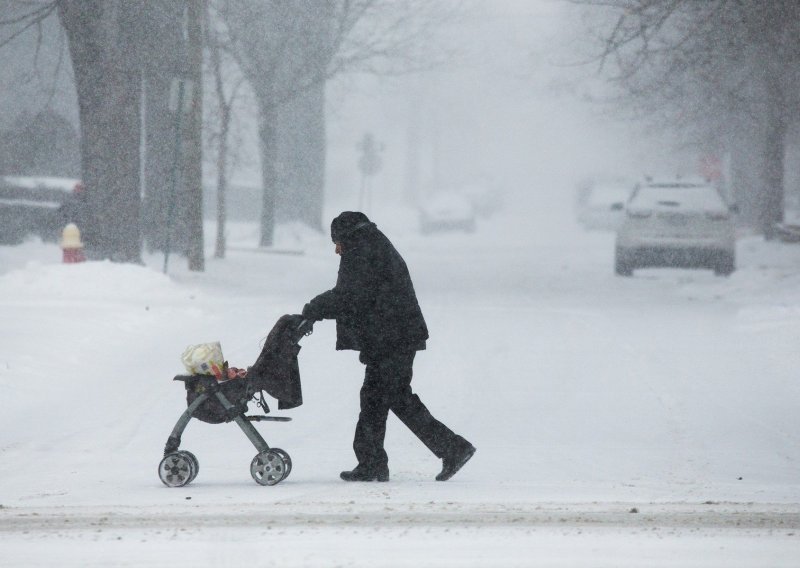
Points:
364	473
455	461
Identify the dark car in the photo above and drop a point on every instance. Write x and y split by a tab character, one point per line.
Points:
37	205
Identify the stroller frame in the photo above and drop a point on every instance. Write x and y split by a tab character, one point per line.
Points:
180	467
270	466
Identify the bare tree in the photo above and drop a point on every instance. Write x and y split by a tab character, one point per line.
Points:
172	44
290	49
716	70
226	98
262	35
105	61
19	17
113	45
193	159
165	61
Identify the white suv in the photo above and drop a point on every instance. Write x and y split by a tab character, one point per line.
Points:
676	224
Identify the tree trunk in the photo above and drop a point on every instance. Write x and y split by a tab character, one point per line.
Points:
108	83
225	111
268	143
744	176
222	178
159	157
192	198
165	60
771	199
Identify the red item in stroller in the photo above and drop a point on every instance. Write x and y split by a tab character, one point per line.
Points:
216	401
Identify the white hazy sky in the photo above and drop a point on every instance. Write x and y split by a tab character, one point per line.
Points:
513	109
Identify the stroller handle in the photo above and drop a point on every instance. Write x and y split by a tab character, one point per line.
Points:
305	327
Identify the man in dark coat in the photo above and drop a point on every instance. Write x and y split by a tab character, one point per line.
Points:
377	313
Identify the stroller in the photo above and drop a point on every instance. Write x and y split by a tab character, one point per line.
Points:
215	401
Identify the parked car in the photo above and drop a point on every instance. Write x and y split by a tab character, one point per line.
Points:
486	199
603	205
676	223
39	205
447	211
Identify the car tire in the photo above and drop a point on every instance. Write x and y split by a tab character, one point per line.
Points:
725	264
623	265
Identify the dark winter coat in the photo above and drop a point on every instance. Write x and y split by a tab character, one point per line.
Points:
373	302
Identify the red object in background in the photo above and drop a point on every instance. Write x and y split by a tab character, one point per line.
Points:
71	244
711	168
73	255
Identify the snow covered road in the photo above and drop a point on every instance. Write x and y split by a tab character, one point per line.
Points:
649	421
746	518
412	534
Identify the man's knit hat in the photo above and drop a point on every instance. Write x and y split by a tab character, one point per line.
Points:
347	223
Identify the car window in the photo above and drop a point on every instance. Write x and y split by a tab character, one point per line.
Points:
679	196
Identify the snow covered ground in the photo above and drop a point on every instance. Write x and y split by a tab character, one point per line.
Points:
650	421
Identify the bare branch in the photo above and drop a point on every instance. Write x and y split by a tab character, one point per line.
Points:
28	20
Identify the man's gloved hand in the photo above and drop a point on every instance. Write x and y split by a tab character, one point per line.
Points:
310	314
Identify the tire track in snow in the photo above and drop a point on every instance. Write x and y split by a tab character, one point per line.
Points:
650	516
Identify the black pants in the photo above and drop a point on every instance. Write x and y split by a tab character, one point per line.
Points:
387	386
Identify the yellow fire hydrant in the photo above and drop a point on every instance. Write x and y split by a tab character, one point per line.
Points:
71	244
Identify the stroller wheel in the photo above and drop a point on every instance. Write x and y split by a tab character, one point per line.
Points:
268	468
176	470
194	463
286	460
